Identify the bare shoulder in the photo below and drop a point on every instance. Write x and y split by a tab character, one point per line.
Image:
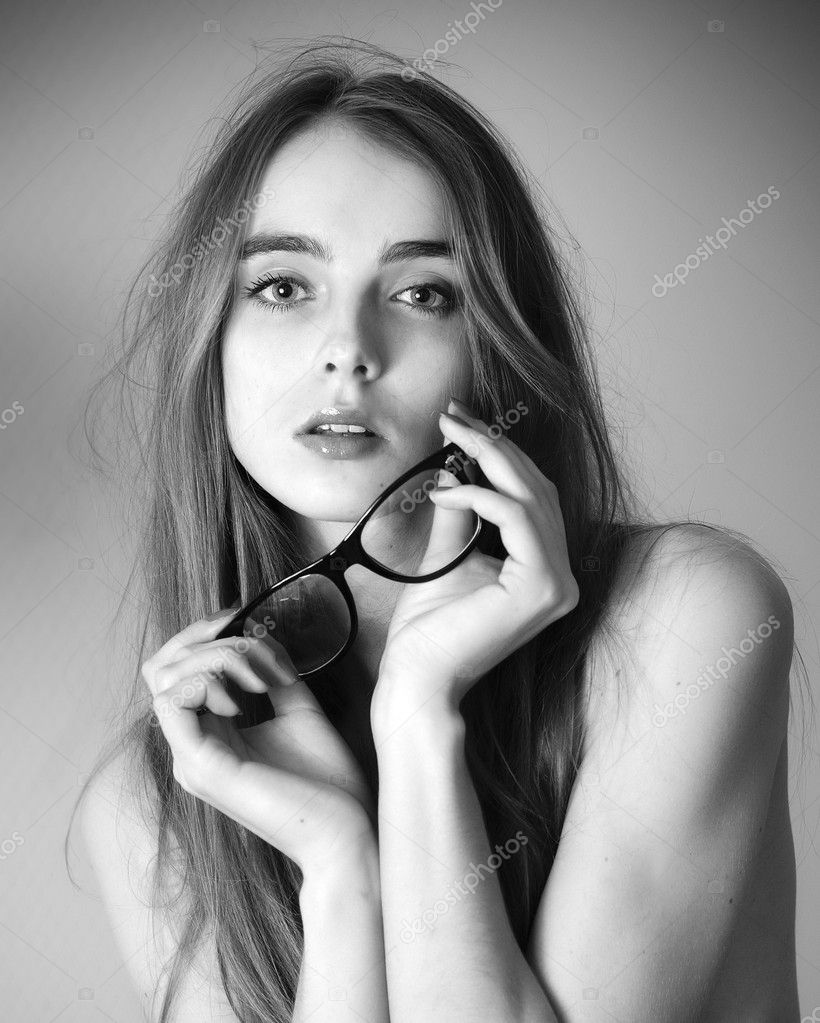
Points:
688	590
121	839
117	833
659	561
121	844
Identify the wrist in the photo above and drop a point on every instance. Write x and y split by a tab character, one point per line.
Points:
339	878
397	705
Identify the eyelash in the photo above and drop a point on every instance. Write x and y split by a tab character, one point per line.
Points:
276	307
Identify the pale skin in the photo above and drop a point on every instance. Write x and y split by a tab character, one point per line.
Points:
675	840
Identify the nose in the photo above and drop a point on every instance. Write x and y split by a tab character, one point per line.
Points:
348	355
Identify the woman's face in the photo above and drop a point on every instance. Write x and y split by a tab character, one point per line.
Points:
383	338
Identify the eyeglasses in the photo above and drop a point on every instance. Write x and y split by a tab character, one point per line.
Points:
312	612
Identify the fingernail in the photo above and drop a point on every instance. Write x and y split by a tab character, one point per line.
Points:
460	406
212	617
454	419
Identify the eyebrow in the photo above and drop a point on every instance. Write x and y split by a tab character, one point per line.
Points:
395	253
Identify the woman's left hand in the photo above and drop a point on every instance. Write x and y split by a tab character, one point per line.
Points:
448	632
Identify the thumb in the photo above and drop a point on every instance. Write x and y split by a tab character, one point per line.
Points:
294	697
450	531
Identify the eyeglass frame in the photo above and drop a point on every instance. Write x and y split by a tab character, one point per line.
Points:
333	565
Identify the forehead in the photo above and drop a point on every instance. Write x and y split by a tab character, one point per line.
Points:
334	180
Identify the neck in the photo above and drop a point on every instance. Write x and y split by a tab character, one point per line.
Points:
375	599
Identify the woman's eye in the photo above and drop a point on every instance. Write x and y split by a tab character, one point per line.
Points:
279	283
422	293
283	286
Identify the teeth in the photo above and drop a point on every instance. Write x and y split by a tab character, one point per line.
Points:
340	428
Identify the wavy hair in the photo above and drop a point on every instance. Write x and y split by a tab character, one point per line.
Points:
208	533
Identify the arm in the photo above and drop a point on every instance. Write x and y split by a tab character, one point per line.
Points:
661	835
664	826
452	959
343	974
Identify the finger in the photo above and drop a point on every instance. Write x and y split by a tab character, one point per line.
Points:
209	664
296	697
513	450
450	532
294	693
176	706
519	532
219	726
200	631
238	643
269	655
496	458
266	655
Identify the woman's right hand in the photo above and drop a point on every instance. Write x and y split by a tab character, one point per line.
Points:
291	780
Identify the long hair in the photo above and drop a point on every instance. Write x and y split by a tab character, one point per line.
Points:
210	533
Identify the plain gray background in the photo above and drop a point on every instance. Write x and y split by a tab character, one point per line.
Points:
647	122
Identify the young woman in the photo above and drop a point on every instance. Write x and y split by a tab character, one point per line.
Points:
530	789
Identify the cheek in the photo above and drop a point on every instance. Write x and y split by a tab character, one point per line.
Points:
436	380
251	409
453	375
251	372
237	386
250	406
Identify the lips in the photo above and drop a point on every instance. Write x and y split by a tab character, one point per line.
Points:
337	416
342	445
